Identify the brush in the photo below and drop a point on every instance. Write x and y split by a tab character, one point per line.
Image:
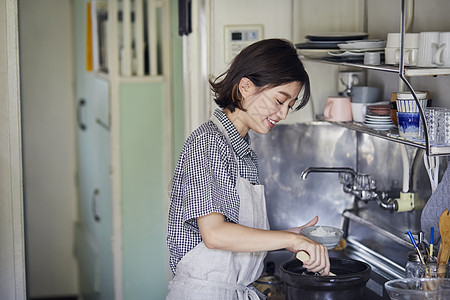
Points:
413	241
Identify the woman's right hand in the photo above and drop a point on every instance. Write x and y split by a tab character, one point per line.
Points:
319	260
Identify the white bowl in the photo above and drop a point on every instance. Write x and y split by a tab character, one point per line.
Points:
328	241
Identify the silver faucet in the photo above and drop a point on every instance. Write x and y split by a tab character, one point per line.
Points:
362	186
327	170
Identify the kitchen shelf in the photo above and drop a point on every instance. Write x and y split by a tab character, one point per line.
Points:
319	55
409	71
392	135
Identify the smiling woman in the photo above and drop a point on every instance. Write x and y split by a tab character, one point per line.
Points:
263	108
218	228
266	64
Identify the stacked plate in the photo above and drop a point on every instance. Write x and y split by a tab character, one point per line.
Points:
358	48
363	45
378	117
318	45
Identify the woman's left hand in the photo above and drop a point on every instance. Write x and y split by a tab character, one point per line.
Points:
299	229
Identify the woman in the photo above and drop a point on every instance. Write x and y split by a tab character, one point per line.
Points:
218	229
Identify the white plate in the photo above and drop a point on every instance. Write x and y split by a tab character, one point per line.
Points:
381	50
324	42
313	53
362	45
345	53
378	123
366	40
379	127
383	120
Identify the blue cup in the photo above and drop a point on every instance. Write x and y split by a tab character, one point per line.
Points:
408	124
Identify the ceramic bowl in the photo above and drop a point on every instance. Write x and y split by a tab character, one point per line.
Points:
328	241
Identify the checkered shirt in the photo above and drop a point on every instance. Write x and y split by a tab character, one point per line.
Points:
204	182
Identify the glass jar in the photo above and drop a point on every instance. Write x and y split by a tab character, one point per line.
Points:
413	267
430	269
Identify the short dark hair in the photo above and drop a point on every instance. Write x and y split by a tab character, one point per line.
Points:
267	63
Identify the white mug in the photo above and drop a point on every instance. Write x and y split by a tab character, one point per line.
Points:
442	54
411	40
359	111
411	48
428	45
393	40
391	55
392	50
410	57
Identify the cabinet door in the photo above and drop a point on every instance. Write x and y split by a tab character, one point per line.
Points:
94	229
95	193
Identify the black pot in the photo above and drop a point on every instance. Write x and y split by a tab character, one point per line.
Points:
350	282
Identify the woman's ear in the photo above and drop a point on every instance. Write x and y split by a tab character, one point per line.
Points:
246	87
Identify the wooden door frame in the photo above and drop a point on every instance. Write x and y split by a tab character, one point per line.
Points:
12	232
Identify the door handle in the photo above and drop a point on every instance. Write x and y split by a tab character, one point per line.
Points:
95	197
81	103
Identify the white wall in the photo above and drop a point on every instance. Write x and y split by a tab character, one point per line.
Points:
48	145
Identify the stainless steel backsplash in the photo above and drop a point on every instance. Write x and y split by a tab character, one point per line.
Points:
289	149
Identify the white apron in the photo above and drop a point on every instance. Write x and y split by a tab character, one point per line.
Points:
223	275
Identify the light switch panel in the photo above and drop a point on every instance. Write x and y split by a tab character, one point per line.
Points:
237	37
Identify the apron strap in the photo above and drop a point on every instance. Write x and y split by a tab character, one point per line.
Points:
222	129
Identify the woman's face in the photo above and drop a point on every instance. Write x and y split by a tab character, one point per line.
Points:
266	107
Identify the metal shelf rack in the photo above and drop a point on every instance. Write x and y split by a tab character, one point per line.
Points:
392	135
410	71
403	72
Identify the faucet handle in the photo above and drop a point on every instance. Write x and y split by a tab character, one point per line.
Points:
364	182
346	178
